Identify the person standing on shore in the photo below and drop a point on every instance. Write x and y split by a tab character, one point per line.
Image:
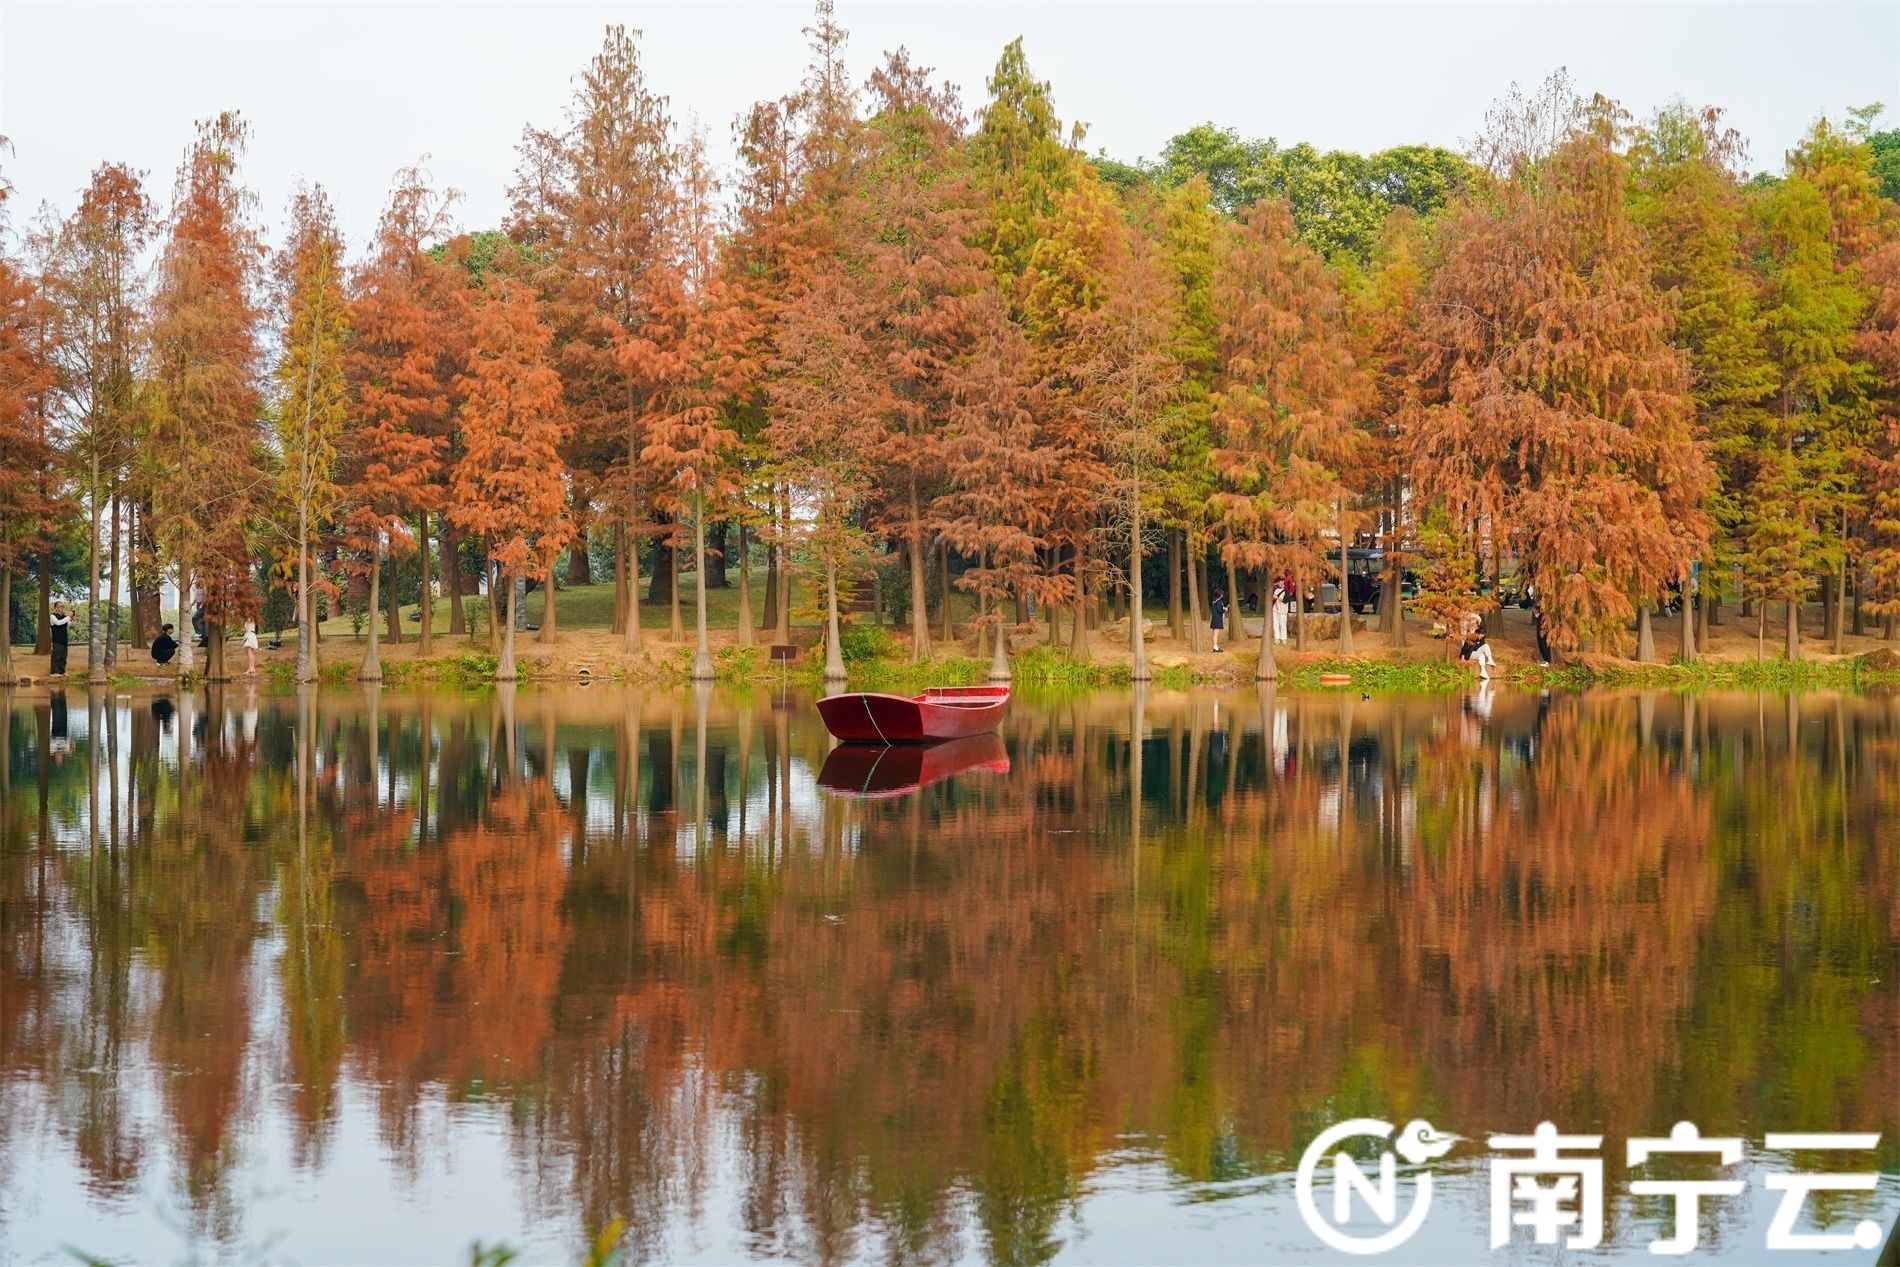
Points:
250	648
1282	596
1217	615
62	624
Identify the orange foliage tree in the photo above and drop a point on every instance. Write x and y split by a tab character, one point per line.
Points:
1567	423
1284	407
400	364
695	343
510	484
26	380
205	398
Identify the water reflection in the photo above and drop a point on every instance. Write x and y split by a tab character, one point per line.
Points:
371	975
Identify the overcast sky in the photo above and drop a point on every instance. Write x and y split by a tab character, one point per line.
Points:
346	94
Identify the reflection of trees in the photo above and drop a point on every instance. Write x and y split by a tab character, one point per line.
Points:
918	1026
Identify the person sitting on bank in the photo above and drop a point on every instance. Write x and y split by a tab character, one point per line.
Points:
62	624
164	647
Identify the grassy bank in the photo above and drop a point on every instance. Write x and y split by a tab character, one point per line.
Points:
877	656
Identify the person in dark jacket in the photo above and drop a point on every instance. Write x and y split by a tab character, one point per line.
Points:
1217	615
164	647
62	624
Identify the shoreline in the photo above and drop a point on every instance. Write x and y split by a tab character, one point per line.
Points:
576	657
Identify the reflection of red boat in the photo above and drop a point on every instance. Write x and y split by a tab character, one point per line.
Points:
869	770
942	712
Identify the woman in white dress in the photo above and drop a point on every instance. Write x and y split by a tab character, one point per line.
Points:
250	648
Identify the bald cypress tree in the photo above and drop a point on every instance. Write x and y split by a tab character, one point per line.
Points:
1686	195
1566	421
205	399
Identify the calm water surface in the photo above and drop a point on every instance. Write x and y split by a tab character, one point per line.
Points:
368	976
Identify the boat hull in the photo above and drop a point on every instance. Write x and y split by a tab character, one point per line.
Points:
869	771
940	713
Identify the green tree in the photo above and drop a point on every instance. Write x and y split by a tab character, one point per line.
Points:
310	404
1685	192
1822	411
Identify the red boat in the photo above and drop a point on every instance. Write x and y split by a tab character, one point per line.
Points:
869	771
942	712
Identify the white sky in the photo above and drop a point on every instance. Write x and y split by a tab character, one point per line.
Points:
347	93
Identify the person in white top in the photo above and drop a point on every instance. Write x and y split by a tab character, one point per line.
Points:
1481	656
250	648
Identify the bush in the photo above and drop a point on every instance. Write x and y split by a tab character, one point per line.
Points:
861	643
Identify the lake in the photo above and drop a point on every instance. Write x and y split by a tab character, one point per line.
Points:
369	976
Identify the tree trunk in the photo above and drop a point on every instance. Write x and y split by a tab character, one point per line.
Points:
782	631
133	598
1345	587
1054	568
1137	649
630	640
1645	635
394	603
451	546
371	669
1840	606
309	621
714	560
1196	565
187	638
425	639
306	670
1860	621
1793	648
492	575
768	618
946	616
505	666
1299	611
580	567
999	663
112	589
1236	610
43	639
214	650
1392	603
1174	583
1687	651
834	651
1266	669
919	617
1079	635
1704	617
673	584
619	623
702	657
743	632
148	599
6	636
95	628
547	606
